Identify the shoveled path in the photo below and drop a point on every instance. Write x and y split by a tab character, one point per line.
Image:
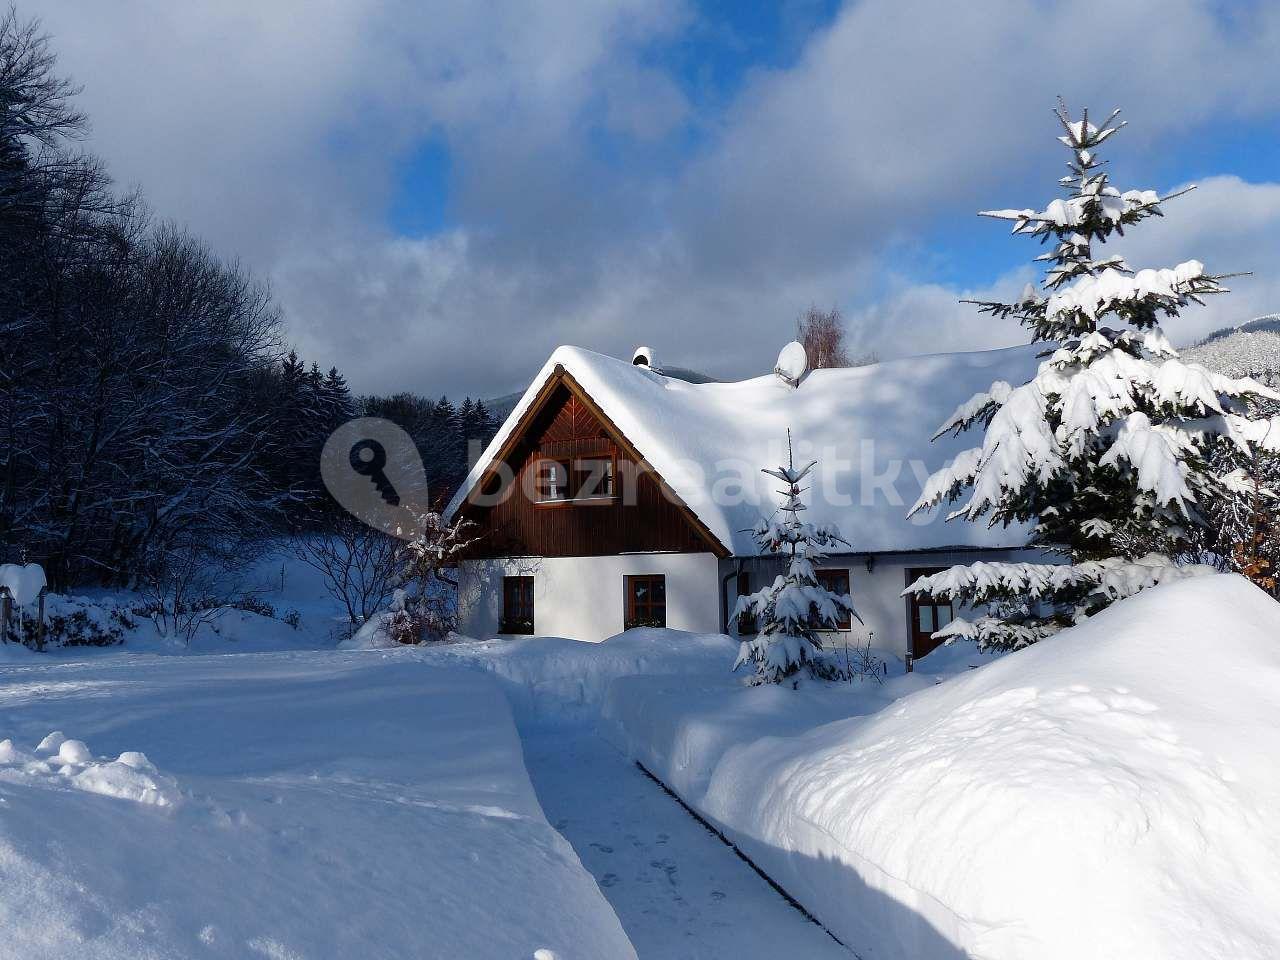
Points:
680	893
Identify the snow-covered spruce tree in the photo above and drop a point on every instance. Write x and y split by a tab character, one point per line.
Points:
1105	453
791	609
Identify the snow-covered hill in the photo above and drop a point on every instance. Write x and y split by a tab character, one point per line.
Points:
1249	350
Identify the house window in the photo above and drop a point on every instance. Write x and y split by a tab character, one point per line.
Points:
553	481
568	481
747	624
646	601
517	605
927	616
593	478
837	582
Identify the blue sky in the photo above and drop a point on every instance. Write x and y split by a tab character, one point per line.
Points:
725	41
439	194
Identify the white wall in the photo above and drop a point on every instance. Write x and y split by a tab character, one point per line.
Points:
582	597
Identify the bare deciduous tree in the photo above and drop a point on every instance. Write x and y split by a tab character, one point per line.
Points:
823	335
358	564
130	431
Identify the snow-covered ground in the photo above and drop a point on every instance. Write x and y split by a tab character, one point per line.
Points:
677	889
307	805
277	603
1112	792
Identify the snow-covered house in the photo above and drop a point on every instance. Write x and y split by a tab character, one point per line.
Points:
615	496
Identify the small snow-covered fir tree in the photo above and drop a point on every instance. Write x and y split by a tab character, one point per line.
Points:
1106	452
792	609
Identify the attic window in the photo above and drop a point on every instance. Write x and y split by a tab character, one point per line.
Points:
553	481
571	481
593	478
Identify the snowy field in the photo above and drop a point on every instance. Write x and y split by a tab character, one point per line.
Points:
305	806
1112	792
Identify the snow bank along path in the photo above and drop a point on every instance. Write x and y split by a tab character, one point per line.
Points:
1112	792
317	805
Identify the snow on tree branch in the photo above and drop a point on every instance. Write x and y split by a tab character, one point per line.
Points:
1106	452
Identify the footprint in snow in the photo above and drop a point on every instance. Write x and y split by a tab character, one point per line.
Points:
601	847
668	867
608	880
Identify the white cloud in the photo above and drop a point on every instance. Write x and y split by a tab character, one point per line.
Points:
1231	226
1228	224
275	130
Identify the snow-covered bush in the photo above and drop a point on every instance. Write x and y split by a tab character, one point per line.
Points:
792	609
426	601
73	622
1107	451
418	619
77	622
190	614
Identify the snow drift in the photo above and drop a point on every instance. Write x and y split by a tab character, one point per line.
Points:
312	806
57	761
1109	793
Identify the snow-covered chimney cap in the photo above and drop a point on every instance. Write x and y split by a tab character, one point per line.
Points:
793	363
645	357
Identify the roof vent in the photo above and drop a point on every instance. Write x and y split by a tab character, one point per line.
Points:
645	357
793	364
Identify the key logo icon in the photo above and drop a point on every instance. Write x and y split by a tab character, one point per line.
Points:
374	471
369	458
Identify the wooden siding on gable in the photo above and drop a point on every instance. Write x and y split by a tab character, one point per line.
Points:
640	517
572	421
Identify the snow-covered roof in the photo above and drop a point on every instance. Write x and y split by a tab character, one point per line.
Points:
869	427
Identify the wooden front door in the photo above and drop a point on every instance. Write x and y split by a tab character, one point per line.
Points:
925	616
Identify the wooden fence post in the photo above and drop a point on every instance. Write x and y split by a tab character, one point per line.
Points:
5	607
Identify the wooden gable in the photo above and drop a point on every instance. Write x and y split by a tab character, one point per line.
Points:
566	426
